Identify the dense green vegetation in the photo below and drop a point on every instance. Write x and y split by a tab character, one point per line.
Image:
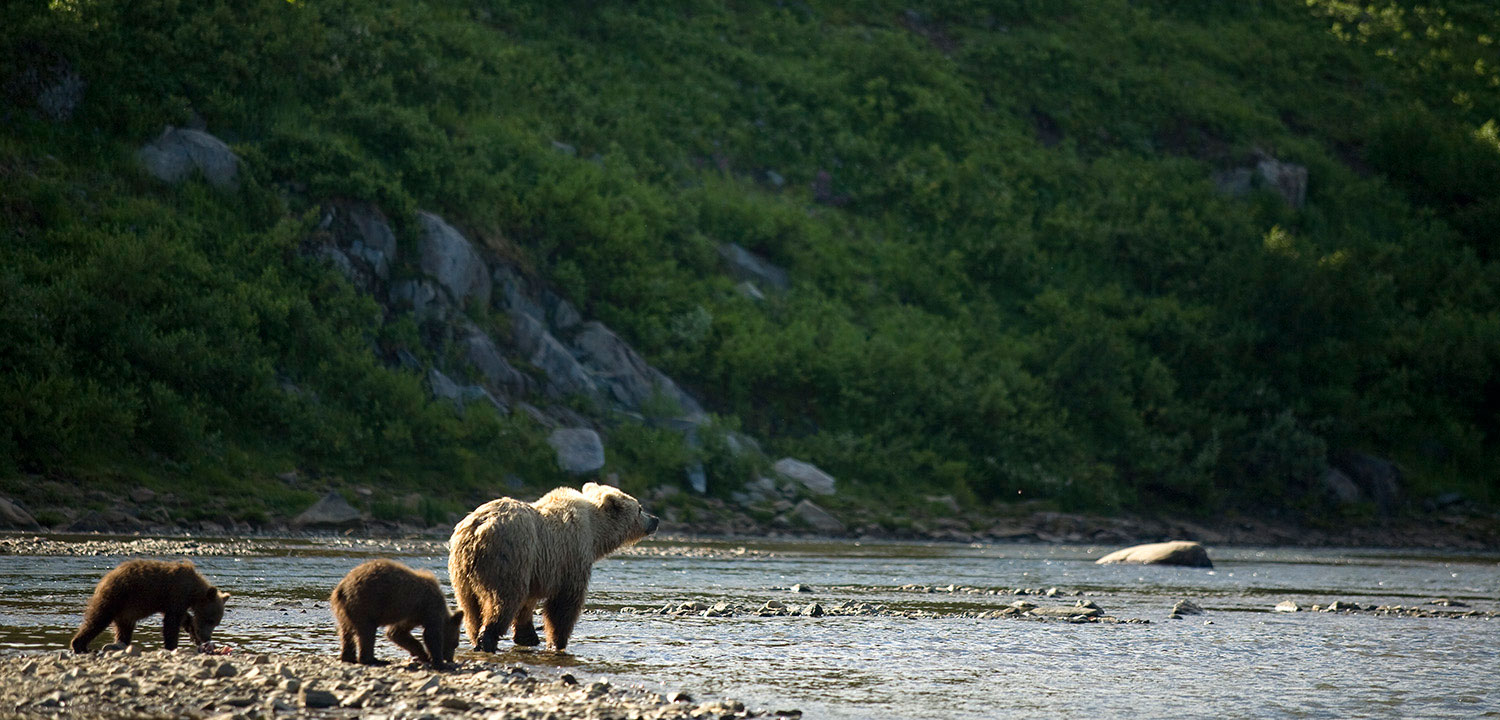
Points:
1012	272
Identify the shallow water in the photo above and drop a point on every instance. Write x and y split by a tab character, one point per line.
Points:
1249	662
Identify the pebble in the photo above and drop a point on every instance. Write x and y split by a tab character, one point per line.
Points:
357	699
1287	606
312	698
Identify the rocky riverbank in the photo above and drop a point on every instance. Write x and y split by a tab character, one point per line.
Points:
97	545
1082	611
187	684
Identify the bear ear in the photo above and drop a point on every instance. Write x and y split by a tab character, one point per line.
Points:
590	486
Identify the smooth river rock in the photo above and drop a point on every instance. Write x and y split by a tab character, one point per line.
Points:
1177	552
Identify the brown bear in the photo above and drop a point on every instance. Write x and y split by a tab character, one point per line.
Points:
385	592
138	589
507	555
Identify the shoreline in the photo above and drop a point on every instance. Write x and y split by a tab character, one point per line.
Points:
1469	534
256	686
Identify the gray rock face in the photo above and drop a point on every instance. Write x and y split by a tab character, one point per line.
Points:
1236	182
579	450
12	516
626	376
53	82
697	478
486	358
516	296
565	376
461	395
1177	552
746	265
750	291
1377	478
812	478
1340	488
333	511
1285	178
422	297
449	258
817	518
560	313
179	152
364	235
444	387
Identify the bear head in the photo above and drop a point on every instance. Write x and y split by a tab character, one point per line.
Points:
621	520
452	627
204	615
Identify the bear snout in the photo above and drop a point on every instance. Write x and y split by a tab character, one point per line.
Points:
651	522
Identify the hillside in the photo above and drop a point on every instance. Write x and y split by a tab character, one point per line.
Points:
1149	257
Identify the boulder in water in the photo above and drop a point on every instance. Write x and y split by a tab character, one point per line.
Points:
1177	552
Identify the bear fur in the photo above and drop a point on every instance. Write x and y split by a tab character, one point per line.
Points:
385	592
137	589
507	555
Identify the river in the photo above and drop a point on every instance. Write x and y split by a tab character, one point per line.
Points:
1238	659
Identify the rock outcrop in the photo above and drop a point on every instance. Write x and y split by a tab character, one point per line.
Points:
579	450
13	516
449	258
817	518
746	265
626	376
176	154
810	476
333	511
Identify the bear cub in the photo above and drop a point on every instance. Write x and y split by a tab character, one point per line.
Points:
508	555
385	592
138	589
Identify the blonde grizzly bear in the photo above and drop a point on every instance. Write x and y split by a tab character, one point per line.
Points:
385	592
138	589
507	555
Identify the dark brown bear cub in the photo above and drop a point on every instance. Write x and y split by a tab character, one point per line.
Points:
138	589
384	592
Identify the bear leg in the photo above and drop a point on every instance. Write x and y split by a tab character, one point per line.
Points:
93	624
401	635
365	634
346	643
502	615
561	614
171	628
525	628
468	601
124	629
